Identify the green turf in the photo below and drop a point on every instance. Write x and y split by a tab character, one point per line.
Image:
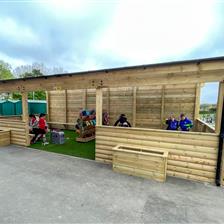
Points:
70	147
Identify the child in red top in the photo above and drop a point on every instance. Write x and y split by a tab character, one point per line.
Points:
42	129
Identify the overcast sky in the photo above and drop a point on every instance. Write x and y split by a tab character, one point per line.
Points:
85	35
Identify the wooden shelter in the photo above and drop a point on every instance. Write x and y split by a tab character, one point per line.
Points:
153	91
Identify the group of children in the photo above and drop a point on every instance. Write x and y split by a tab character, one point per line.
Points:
38	126
184	124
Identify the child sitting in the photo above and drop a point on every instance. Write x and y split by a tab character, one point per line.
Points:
122	121
172	123
42	130
185	123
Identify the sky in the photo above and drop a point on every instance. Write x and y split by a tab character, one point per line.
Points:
94	34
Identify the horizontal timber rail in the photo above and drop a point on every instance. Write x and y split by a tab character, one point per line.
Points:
192	155
201	126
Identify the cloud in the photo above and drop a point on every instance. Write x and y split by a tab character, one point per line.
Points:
45	32
85	35
148	31
209	93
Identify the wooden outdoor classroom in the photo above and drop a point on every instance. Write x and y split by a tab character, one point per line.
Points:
147	94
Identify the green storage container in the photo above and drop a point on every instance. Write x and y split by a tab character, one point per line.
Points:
1	102
8	108
14	107
37	106
18	107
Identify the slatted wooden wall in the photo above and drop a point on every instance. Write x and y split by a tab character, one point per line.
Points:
4	137
74	104
120	102
57	106
151	105
191	155
19	131
148	107
179	99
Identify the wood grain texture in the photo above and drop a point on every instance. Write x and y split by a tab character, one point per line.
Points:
19	131
4	137
181	73
140	161
191	155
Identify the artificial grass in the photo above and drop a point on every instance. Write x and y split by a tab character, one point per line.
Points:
70	147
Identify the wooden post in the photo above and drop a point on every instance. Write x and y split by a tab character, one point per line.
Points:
108	101
48	105
66	107
25	116
162	105
219	108
99	106
84	99
197	101
222	168
134	107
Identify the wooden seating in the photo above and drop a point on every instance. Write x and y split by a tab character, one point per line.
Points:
140	161
63	124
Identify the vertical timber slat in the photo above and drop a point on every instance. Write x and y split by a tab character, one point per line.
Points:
48	105
25	116
84	99
134	107
197	101
162	104
219	108
66	106
108	100
99	106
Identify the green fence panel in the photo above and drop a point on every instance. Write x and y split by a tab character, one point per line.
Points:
14	107
37	107
18	108
8	108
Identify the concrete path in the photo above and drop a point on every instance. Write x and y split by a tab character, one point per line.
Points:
43	187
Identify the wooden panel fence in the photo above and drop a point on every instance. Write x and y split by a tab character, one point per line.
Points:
201	126
19	131
191	155
4	137
145	107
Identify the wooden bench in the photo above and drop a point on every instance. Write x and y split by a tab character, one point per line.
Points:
65	125
140	161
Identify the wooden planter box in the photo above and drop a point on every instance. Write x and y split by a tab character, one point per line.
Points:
4	137
140	161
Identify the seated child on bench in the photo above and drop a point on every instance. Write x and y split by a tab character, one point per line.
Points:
172	123
33	124
42	130
122	121
185	123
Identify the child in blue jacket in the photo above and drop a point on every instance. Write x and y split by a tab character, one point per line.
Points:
172	123
185	123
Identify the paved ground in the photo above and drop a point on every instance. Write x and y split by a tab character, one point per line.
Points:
43	187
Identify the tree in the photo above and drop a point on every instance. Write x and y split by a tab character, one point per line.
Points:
33	73
5	71
20	71
37	95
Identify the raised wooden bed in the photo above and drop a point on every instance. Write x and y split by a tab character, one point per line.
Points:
140	161
4	137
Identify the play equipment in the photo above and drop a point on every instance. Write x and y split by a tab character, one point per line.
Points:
85	126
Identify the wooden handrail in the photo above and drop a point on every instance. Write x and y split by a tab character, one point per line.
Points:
205	127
